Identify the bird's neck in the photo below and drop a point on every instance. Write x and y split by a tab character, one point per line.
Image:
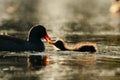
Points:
66	47
33	39
63	48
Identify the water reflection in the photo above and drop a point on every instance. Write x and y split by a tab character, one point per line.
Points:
21	67
59	67
80	61
37	61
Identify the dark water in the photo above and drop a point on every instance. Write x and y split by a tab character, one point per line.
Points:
70	20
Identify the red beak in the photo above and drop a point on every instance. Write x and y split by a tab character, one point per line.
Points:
48	39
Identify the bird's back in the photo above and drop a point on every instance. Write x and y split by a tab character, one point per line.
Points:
8	43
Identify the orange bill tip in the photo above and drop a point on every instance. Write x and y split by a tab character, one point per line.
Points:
48	39
50	42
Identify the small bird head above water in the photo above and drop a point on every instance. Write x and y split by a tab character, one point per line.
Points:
60	44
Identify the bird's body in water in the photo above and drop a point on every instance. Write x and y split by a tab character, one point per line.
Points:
81	47
33	43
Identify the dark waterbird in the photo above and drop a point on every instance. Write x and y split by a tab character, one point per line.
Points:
33	43
81	47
